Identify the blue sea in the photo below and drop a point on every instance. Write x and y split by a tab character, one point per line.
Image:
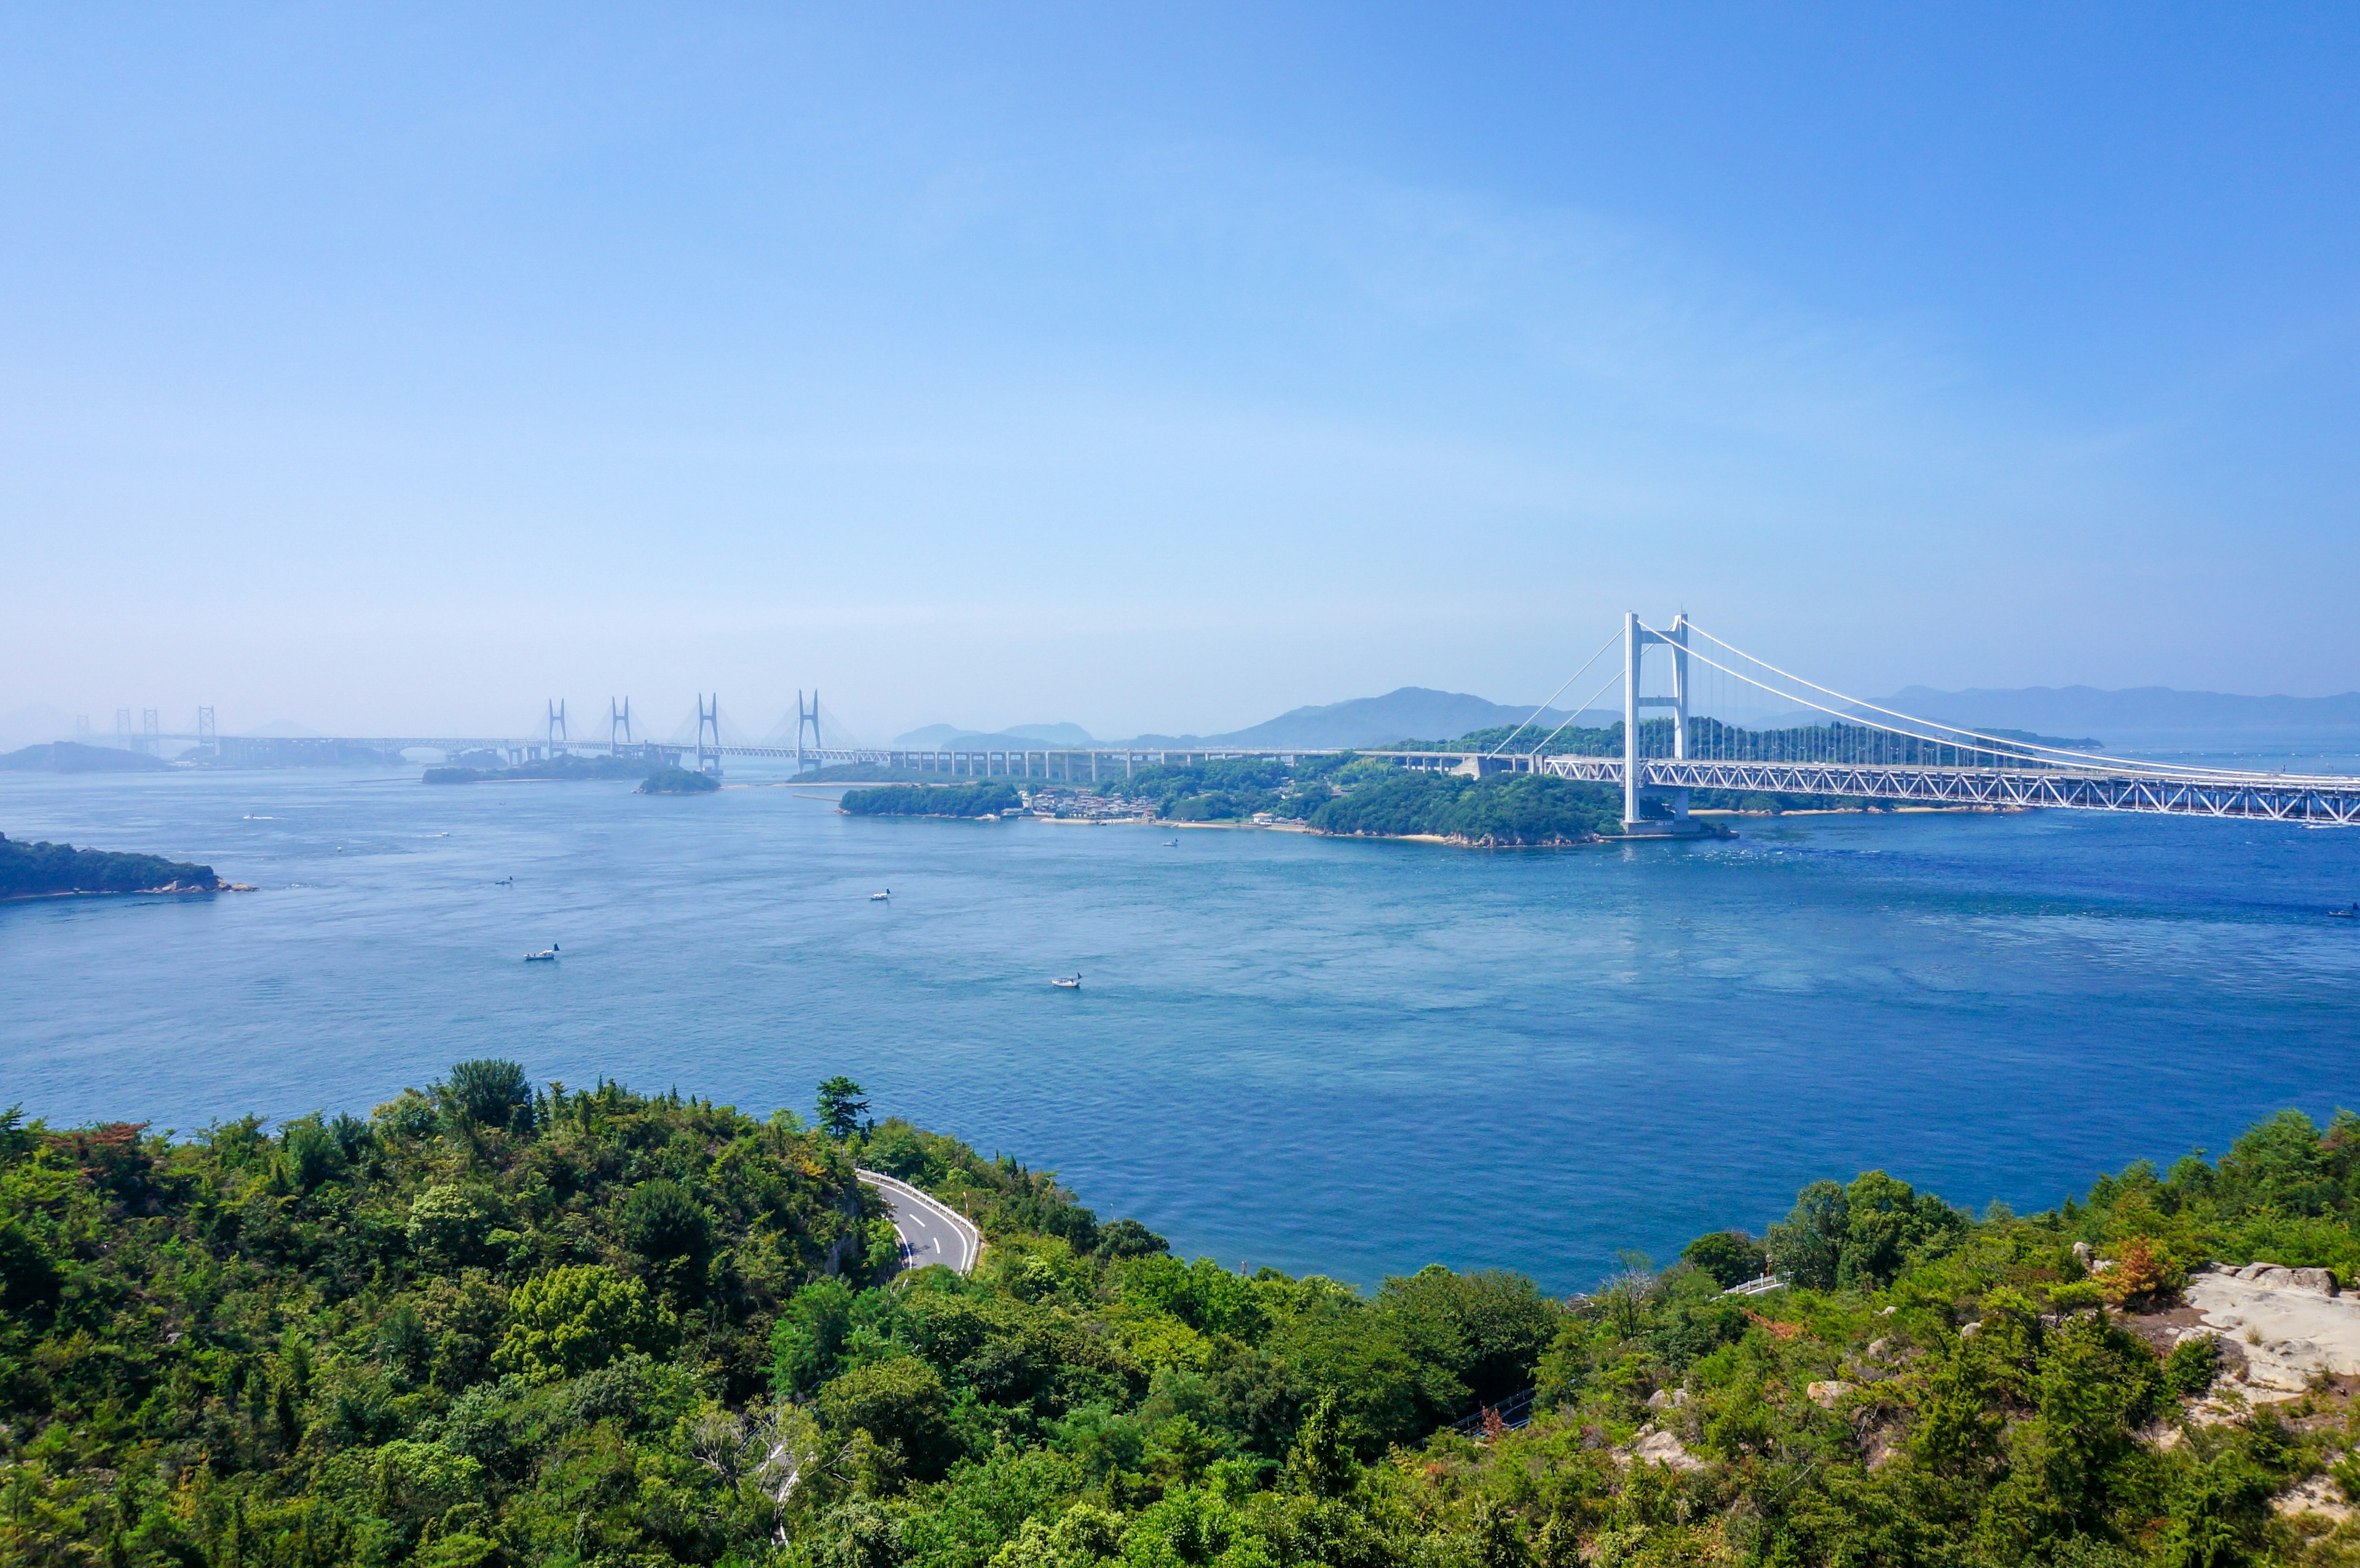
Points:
1344	1057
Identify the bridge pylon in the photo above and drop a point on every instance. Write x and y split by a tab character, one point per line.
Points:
1637	637
708	722
806	718
618	725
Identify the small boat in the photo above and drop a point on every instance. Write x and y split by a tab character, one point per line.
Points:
1070	983
1171	844
2351	914
547	955
880	897
505	882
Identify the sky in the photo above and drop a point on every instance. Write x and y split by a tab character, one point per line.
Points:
395	369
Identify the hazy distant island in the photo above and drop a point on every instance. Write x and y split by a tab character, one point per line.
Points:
496	1323
554	770
679	781
72	756
47	870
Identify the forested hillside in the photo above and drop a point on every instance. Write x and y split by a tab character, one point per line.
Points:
35	870
494	1324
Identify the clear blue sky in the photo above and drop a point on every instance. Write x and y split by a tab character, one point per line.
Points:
395	367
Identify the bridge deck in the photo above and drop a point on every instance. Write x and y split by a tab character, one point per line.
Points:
2268	797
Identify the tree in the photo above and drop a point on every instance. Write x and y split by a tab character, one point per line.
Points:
841	1107
577	1318
900	1402
1808	1245
488	1093
1321	1463
663	1222
1729	1257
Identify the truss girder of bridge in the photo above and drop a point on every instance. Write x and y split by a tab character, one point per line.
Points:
2292	802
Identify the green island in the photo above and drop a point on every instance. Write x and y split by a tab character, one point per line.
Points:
496	1325
556	769
1355	797
47	870
986	797
679	781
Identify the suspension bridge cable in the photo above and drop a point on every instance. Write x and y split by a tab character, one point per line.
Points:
1856	722
1575	713
1552	697
1998	743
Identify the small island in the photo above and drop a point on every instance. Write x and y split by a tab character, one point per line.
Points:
55	870
988	798
679	781
72	756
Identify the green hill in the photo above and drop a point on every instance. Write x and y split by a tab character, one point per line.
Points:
36	870
493	1324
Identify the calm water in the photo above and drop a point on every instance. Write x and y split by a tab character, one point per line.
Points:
1354	1058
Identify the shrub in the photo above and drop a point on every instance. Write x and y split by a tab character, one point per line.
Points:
2192	1364
2138	1272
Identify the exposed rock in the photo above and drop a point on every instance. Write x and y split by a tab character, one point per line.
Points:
2317	1496
1668	1399
1826	1394
2319	1281
1971	1330
2082	1250
1654	1447
1876	1349
2275	1337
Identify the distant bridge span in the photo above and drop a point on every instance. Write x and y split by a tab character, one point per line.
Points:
1730	722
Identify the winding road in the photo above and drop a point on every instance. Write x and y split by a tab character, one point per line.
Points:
931	1232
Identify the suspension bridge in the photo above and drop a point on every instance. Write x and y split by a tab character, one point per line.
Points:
1696	714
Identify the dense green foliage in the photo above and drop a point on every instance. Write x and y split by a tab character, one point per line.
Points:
679	781
31	870
986	797
1505	809
495	1326
564	770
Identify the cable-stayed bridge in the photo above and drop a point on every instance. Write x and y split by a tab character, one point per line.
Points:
1696	714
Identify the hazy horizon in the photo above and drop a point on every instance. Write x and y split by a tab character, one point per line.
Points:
391	370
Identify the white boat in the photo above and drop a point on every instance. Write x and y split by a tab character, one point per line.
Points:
1171	844
547	955
1070	983
880	897
2351	914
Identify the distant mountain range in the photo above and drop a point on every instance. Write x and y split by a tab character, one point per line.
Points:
1423	713
1412	712
2120	716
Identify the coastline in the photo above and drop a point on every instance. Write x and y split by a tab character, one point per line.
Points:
172	890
